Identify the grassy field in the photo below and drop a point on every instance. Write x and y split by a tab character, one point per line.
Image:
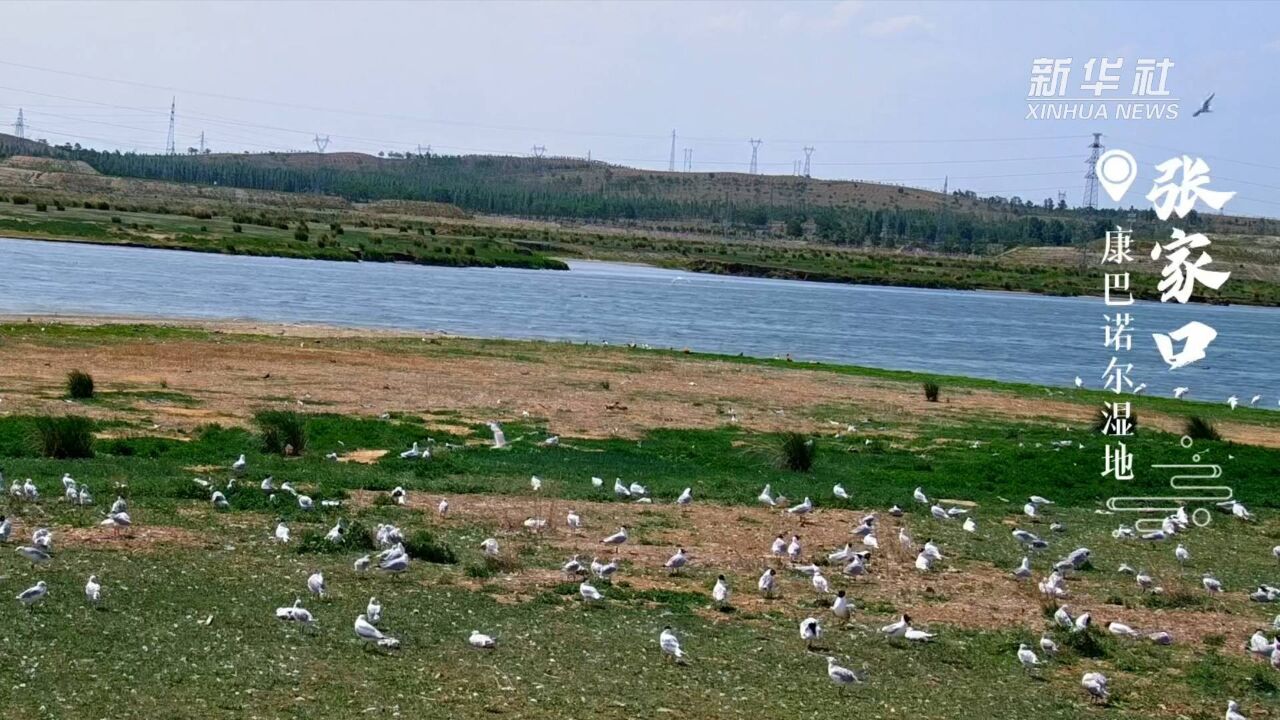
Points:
187	619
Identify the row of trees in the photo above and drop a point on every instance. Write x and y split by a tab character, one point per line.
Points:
508	186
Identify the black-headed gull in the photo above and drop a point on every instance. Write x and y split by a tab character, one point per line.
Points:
670	644
720	593
767	582
34	594
810	631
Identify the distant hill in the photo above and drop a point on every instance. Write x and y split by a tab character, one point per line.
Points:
839	212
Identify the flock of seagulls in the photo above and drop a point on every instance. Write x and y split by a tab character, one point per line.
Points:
393	559
1182	391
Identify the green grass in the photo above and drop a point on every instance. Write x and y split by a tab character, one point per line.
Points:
63	438
557	658
79	385
283	432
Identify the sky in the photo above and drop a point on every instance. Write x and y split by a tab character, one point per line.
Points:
903	92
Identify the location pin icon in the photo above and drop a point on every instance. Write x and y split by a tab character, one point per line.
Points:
1116	170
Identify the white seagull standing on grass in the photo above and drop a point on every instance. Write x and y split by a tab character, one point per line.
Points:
686	497
499	437
589	593
617	538
802	509
619	489
766	496
370	634
239	465
720	593
34	594
920	497
93	590
481	641
840	492
767	582
840	606
1095	684
670	644
810	631
1027	657
315	583
1233	711
842	676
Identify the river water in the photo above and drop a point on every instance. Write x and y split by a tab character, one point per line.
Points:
1002	336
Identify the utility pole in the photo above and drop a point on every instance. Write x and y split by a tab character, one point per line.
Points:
171	146
755	147
671	164
20	127
201	142
321	142
808	151
1091	174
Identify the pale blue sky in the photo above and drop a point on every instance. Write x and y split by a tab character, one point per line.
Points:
864	82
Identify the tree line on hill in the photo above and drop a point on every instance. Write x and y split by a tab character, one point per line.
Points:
508	186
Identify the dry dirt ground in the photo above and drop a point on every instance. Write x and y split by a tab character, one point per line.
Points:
735	541
579	391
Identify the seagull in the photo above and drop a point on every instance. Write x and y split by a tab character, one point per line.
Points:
335	533
552	441
282	532
970	525
820	583
589	593
499	437
411	453
1211	584
920	496
1122	630
305	502
897	629
915	635
1029	510
1082	623
6	528
895	511
30	490
1048	646
841	676
766	496
686	497
1161	638
1254	400
1145	581
1204	107
767	582
619	489
1178	392
362	563
597	483
489	547
370	634
1039	501
840	606
239	465
315	583
1182	554
810	631
573	520
1063	618
119	506
1233	707
1233	401
398	495
1096	685
43	539
802	509
617	538
443	508
720	593
1079	382
839	492
373	611
904	540
33	594
481	641
1024	570
34	554
535	482
1027	657
794	548
93	590
779	547
677	561
670	644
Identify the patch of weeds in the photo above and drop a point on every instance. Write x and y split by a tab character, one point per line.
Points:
422	545
797	452
283	432
79	385
358	537
64	437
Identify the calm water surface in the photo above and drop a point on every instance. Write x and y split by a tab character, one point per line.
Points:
1003	336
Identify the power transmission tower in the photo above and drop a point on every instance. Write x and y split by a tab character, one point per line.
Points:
20	127
808	151
538	150
201	142
1091	174
795	167
321	142
1062	198
671	164
755	147
170	145
688	159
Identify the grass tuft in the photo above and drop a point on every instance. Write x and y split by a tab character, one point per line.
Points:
931	391
797	452
424	546
1199	428
65	437
283	432
79	385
